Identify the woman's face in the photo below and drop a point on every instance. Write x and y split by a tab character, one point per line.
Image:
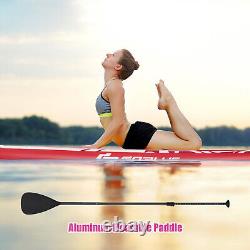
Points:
112	59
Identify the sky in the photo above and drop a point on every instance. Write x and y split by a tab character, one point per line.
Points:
51	53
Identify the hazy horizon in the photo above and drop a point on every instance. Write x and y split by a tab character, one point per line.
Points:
51	54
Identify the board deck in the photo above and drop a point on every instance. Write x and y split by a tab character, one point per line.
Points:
76	153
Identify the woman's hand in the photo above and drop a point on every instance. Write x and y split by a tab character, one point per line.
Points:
90	146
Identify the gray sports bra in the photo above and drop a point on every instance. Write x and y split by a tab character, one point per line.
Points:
103	107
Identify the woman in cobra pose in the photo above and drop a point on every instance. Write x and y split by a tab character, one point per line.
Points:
110	106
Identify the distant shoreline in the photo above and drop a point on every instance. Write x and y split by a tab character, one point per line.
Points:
35	130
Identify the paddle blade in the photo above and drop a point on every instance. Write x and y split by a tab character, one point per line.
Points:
228	203
33	203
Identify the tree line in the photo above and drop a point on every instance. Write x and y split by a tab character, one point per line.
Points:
35	130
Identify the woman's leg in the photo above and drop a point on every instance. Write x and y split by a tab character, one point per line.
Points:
183	136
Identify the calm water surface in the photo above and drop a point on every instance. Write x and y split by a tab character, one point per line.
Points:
207	227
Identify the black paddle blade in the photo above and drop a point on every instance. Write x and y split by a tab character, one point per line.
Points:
228	203
33	203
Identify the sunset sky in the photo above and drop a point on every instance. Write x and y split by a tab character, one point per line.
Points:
51	53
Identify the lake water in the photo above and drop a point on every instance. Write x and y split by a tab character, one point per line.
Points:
204	227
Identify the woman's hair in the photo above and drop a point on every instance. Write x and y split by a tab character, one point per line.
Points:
128	64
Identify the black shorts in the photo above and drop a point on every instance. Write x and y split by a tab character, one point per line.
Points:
139	135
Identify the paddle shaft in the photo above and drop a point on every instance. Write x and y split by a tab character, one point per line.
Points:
144	203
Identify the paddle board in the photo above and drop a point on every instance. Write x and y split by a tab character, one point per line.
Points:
73	153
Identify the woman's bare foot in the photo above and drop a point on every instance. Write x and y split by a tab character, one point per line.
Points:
165	96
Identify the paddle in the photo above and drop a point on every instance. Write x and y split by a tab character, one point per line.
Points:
34	203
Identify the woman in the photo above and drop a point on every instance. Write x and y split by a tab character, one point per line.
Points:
139	135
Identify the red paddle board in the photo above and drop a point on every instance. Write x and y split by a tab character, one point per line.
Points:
71	153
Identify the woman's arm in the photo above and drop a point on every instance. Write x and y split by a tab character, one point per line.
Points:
117	101
107	136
